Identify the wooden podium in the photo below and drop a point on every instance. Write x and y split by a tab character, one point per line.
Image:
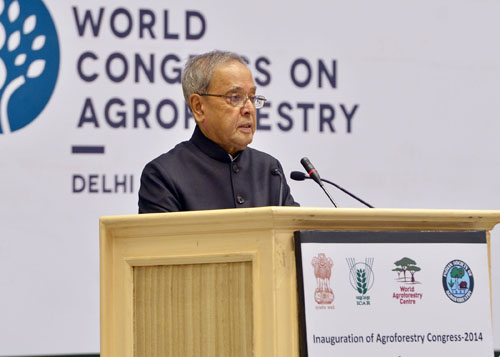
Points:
223	282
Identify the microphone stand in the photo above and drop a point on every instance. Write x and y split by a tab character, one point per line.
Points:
347	192
300	176
276	172
328	193
314	174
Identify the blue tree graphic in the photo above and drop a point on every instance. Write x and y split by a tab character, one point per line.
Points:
21	45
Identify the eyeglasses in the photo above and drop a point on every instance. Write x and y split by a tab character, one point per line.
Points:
239	100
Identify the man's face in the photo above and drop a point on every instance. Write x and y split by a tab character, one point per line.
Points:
230	127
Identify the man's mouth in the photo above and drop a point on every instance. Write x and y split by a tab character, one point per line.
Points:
245	127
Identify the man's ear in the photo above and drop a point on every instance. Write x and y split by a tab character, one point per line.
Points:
197	108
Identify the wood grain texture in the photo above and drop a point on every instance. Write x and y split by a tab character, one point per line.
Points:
193	310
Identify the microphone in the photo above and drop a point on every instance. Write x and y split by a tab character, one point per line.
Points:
277	172
300	176
313	173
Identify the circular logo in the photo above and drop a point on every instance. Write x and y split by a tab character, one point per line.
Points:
361	277
458	281
29	62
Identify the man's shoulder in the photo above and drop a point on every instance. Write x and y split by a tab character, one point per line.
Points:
168	164
178	152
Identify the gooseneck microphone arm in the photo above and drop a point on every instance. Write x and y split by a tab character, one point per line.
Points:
314	174
277	172
329	196
347	192
300	176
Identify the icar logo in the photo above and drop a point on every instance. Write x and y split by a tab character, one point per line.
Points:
361	277
29	62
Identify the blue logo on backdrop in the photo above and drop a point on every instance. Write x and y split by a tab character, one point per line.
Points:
458	281
29	62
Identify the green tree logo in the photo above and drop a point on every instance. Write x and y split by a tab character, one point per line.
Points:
399	271
458	281
456	273
406	265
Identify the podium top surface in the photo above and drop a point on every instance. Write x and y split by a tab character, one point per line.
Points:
302	218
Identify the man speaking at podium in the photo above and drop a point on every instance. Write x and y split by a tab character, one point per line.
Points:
215	168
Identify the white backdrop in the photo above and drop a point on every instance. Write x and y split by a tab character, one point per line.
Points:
418	79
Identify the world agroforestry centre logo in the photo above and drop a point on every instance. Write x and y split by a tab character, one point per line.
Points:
323	271
409	290
458	281
29	62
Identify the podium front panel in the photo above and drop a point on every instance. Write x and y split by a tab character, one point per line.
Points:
193	310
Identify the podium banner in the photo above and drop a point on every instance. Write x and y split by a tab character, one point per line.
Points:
393	293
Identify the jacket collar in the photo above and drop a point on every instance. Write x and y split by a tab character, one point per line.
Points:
210	148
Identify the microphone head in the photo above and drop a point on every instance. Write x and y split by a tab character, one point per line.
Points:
298	176
307	165
313	173
305	162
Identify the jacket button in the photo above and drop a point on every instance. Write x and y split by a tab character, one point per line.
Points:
240	199
236	168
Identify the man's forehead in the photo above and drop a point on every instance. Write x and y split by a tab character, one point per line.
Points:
233	76
241	89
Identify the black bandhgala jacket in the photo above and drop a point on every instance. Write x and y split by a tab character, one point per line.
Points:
198	175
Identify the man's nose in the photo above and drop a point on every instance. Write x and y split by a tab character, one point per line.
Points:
248	107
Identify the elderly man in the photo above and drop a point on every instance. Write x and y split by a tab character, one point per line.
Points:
215	168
